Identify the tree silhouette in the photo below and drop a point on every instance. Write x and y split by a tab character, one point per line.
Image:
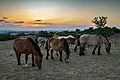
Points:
100	22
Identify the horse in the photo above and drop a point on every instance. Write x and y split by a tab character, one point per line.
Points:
58	45
28	46
96	40
71	41
42	41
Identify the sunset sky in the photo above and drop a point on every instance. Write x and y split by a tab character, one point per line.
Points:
32	13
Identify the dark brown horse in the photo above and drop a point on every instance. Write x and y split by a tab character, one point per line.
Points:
28	46
58	45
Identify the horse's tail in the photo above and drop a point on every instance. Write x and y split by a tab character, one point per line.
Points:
14	48
78	41
66	47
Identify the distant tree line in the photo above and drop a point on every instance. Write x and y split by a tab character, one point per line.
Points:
106	31
4	37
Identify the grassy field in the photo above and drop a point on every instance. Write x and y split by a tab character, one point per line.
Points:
88	67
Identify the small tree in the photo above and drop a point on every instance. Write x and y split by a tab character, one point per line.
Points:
77	30
100	22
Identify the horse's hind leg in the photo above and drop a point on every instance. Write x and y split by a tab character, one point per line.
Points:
75	49
81	52
99	50
18	58
60	52
93	53
57	53
26	58
33	64
52	54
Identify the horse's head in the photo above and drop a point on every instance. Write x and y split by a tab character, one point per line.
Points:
67	50
108	47
67	56
38	61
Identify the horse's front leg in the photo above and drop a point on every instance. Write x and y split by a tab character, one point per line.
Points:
93	53
52	54
33	64
47	54
81	51
60	52
18	58
26	59
75	49
99	50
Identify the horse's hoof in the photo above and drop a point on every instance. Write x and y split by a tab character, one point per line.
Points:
80	54
33	65
75	51
19	63
61	60
26	65
67	62
99	54
52	58
93	53
83	54
46	58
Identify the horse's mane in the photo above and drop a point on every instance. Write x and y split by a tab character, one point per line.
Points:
104	37
35	46
66	45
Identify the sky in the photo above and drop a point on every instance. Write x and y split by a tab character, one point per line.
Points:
37	13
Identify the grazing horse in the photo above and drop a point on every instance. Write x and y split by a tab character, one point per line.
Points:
58	45
28	46
93	40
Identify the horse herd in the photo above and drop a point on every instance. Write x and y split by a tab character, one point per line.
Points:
59	44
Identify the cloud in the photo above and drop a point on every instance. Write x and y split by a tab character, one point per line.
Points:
19	22
38	20
42	23
5	18
2	20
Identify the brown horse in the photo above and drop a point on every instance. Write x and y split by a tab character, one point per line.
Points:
96	40
28	46
58	45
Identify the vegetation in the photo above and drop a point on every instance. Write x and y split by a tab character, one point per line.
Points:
100	22
4	37
105	31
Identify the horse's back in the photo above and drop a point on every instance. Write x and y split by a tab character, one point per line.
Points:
91	39
22	44
55	43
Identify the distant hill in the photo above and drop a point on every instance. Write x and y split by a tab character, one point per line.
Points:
5	31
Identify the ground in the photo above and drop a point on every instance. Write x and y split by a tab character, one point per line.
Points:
88	67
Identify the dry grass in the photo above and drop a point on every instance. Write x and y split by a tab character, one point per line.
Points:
88	67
